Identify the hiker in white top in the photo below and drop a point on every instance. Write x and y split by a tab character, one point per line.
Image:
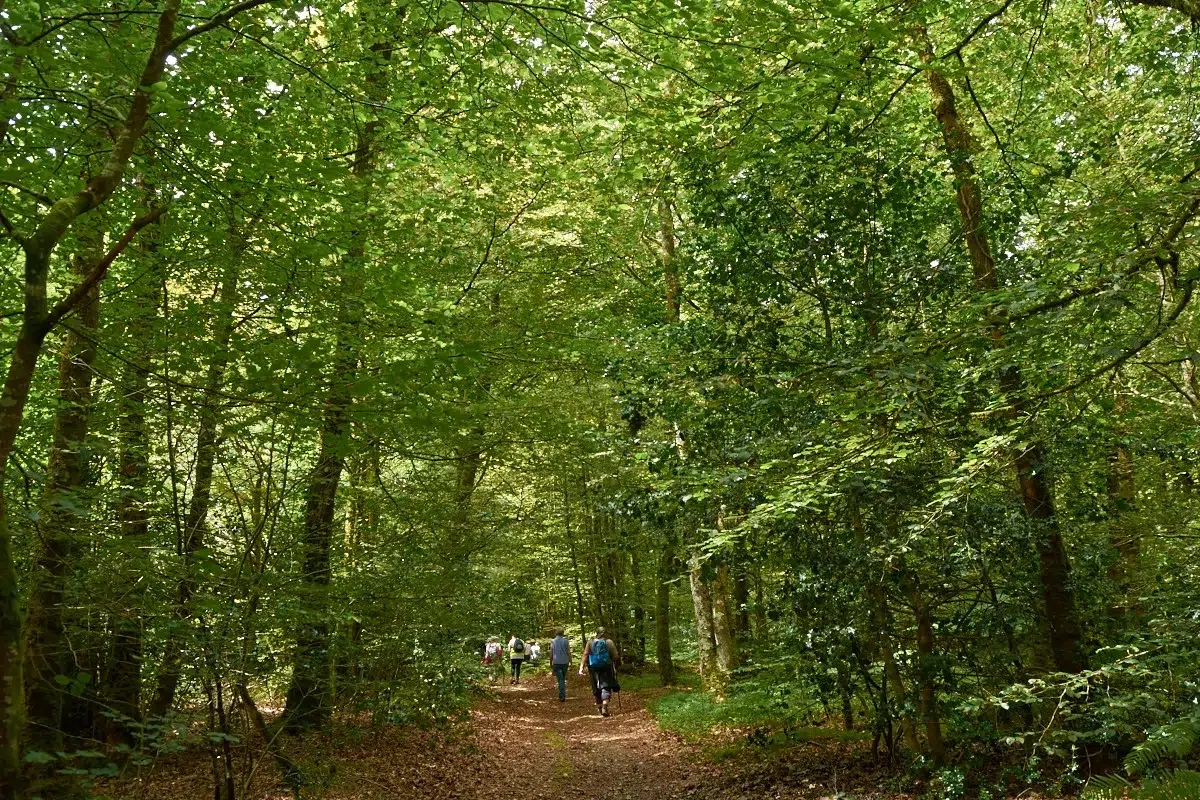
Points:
535	652
493	655
516	654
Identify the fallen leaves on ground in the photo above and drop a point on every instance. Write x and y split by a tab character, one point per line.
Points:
522	740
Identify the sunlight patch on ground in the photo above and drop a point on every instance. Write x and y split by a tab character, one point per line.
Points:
613	737
581	718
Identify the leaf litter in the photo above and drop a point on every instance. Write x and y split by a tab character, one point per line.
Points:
522	736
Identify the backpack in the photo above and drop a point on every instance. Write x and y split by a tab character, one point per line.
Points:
518	646
599	657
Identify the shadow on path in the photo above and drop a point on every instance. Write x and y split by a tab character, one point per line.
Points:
575	752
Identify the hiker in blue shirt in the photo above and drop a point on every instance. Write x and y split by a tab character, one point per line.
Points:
560	661
600	657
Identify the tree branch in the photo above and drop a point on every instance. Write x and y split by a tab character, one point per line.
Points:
1147	255
495	237
983	23
77	294
1139	346
45	200
216	21
1189	8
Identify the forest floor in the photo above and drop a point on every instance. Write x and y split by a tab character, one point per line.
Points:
523	736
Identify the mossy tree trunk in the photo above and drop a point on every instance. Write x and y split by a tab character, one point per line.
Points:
308	703
62	527
1058	597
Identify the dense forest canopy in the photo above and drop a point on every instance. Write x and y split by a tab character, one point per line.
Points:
841	346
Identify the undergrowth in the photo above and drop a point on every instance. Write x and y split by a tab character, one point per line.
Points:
763	716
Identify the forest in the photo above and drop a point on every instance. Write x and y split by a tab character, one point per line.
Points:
837	357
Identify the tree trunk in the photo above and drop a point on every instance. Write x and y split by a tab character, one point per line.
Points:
583	635
1058	599
706	644
614	586
846	690
638	651
360	526
1189	8
741	603
668	559
468	459
12	405
599	612
760	607
667	569
1122	497
61	527
723	624
882	635
195	526
123	669
307	704
927	675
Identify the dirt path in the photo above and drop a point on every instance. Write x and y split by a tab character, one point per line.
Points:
572	751
519	736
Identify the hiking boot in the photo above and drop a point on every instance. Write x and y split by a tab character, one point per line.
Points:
604	709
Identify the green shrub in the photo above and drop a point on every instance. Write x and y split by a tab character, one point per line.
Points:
766	715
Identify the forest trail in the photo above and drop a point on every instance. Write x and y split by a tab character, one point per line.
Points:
568	750
522	735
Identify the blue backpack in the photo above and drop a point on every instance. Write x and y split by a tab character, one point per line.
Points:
599	657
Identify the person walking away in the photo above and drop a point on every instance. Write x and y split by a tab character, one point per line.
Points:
600	657
535	652
493	651
560	661
516	655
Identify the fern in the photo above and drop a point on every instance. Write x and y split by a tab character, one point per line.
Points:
1175	740
1180	784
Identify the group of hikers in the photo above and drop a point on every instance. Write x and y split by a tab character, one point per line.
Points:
599	661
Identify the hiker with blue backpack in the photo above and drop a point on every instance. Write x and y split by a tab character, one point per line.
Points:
600	657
